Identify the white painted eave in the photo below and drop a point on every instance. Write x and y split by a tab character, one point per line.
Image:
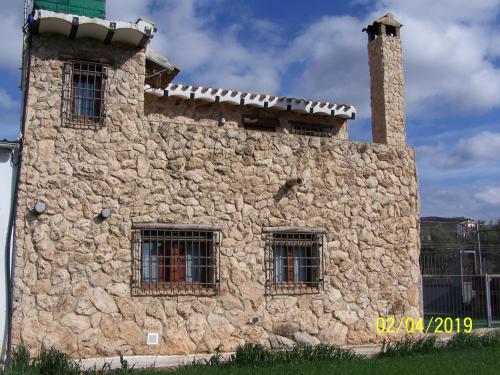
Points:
136	34
209	94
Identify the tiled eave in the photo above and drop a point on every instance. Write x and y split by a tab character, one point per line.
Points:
209	94
75	27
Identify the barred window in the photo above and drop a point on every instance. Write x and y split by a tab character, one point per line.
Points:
294	261
318	130
84	93
176	261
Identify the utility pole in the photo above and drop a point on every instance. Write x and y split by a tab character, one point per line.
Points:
481	271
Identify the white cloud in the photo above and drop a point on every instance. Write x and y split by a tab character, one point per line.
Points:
480	149
461	179
444	11
449	52
211	56
6	101
471	200
490	196
126	10
10	29
9	126
333	51
483	146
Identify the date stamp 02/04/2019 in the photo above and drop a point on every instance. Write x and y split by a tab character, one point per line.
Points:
409	325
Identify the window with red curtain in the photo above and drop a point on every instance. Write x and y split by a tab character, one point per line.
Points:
178	260
295	261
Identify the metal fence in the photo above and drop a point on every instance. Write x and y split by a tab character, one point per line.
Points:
462	282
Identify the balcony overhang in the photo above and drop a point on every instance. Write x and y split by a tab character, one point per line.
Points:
136	34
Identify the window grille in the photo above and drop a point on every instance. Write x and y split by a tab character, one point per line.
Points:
84	94
256	122
175	262
317	130
295	263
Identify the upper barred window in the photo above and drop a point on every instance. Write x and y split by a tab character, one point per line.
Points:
176	261
294	262
84	93
318	130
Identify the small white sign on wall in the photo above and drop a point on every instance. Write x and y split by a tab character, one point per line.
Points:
152	338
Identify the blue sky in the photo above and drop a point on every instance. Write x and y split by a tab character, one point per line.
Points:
316	50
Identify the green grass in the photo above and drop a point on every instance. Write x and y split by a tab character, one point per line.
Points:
464	354
473	361
409	346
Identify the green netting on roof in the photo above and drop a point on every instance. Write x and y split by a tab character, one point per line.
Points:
89	8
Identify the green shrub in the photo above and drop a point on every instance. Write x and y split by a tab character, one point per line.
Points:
319	353
473	340
256	355
409	346
54	362
252	355
20	362
49	362
429	344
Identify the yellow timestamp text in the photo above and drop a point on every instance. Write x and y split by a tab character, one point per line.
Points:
432	325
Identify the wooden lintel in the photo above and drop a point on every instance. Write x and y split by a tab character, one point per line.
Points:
294	230
187	227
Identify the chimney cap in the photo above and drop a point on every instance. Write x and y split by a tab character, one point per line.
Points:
388	19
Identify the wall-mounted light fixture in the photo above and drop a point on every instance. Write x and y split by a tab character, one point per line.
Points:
222	120
105	213
39	208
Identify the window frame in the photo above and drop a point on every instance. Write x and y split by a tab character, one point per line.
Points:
289	241
168	273
260	123
77	99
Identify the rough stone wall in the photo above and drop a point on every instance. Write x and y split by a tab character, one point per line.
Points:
191	112
387	90
73	270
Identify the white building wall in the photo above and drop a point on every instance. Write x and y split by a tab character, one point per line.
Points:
7	188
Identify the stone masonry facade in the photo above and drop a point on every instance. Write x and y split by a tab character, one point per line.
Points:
169	161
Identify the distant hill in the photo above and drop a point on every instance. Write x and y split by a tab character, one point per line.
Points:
455	220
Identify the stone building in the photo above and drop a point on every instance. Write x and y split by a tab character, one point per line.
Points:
175	219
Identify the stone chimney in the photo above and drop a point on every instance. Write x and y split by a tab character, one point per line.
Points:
387	81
